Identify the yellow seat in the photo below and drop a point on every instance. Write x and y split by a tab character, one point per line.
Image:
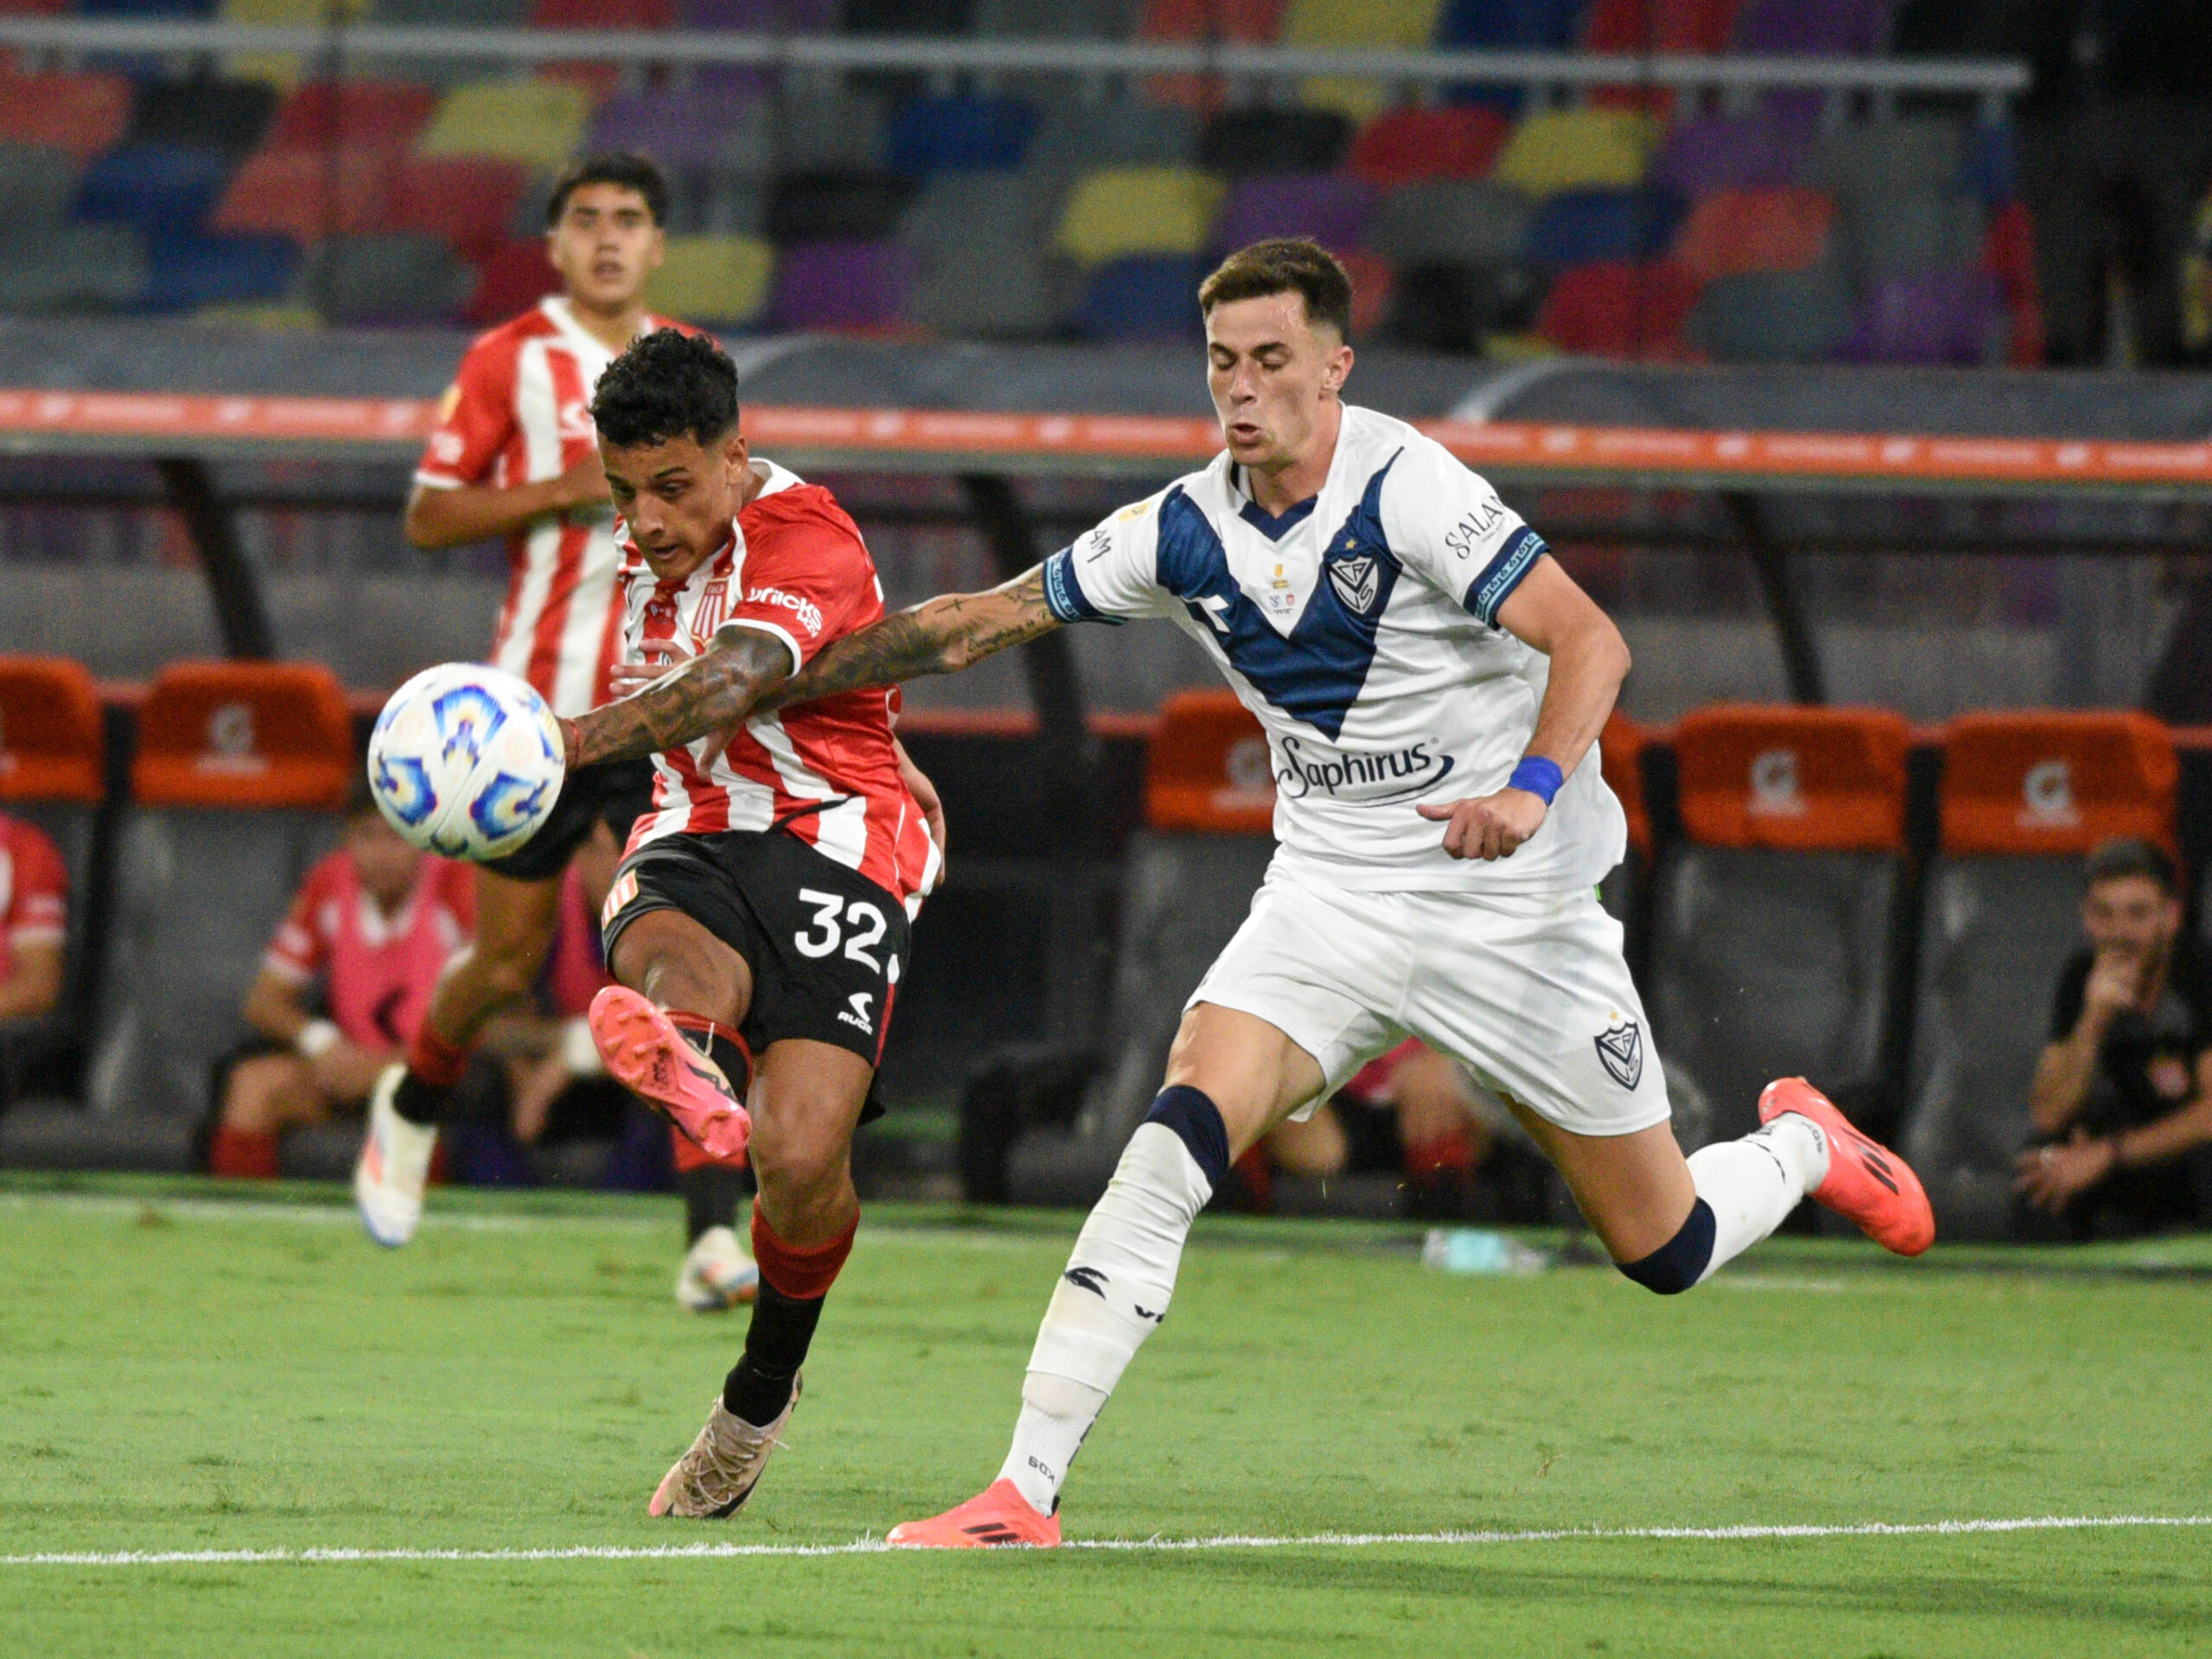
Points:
713	278
1577	149
280	68
1354	25
1128	210
537	123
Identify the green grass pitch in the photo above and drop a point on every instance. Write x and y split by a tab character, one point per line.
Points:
183	1372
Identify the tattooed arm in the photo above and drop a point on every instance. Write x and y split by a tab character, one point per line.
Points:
938	636
714	692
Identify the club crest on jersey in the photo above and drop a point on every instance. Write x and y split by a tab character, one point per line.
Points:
714	604
1620	1050
1357	583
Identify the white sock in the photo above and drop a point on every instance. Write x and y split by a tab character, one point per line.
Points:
1119	1280
1753	1184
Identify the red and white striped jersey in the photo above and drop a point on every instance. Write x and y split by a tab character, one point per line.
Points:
794	567
518	412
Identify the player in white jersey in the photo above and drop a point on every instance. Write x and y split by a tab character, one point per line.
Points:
515	455
1433	685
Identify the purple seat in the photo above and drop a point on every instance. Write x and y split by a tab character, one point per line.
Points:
1947	316
762	16
1728	152
843	285
1332	209
677	126
1827	28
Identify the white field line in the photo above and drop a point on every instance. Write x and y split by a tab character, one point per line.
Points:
1229	1541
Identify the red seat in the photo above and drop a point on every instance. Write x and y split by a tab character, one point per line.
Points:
1620	761
1247	22
2057	782
1404	145
1208	767
385	115
1633	26
511	278
465	199
2008	253
245	735
1372	280
1613	309
307	193
51	739
1734	232
602	14
82	114
1802	780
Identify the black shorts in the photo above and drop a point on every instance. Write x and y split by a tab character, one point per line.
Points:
618	793
826	946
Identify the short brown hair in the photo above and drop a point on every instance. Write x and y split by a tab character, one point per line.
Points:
1284	264
2125	857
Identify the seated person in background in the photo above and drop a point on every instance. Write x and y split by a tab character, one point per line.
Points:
375	924
2122	1099
558	1087
34	917
1440	1133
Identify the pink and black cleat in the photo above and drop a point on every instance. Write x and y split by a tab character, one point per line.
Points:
647	1055
1867	1182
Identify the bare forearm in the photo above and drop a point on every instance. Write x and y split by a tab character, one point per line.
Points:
939	636
2061	1080
273	1008
442	518
714	692
1586	672
2169	1137
36	986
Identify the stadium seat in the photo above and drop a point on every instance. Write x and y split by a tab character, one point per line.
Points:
1580	227
37	184
471	14
307	193
82	114
1263	140
229	116
1371	25
181	10
1733	232
1620	759
684	127
159	189
1332	209
836	206
1077	136
467	200
1794	316
846	286
1952	316
1450	221
534	122
1503	25
717	279
238	771
830	130
280	69
602	14
2024	797
1883	158
1576	149
74	267
1142	297
1720	152
961	134
1910	233
1249	23
1773	922
379	115
53	775
1448	306
1634	27
980	267
1054	20
1814	27
184	273
2008	254
1619	309
392	276
1404	146
1047	1127
763	16
510	278
1135	210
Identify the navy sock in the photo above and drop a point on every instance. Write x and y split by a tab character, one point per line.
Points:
1681	1260
1194	1117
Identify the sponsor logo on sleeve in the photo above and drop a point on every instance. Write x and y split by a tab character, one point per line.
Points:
808	613
1463	537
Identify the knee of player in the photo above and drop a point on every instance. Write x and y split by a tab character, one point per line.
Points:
1681	1262
788	1149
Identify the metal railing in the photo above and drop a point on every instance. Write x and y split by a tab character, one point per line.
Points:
1246	71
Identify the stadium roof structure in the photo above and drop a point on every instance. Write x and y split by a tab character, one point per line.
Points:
1683	456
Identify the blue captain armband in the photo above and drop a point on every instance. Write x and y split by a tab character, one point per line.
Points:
1063	594
1539	777
1503	574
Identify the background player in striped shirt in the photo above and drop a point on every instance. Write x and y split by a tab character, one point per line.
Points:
516	455
33	917
764	906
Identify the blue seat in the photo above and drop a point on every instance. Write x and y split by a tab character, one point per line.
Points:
186	272
961	134
1582	227
180	8
1145	296
160	188
1503	25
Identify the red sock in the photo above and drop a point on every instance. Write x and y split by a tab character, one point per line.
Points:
434	1060
1449	1153
690	1155
243	1154
1259	1176
802	1276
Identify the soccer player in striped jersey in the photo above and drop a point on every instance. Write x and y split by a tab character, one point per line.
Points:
762	911
515	456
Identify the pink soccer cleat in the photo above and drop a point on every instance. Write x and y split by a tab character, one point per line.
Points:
647	1055
997	1517
1867	1182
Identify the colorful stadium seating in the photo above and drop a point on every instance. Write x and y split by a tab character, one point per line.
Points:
719	279
1576	149
531	122
1138	210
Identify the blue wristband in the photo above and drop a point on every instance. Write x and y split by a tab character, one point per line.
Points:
1539	777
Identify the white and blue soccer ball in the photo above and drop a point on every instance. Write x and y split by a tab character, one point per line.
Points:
466	760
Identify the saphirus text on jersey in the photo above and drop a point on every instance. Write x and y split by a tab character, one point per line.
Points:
1413	765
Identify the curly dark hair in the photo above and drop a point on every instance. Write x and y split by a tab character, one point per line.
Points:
666	384
630	169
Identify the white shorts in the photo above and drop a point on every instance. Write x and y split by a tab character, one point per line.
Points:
1529	991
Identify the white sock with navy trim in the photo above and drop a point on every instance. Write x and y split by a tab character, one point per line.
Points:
1753	1184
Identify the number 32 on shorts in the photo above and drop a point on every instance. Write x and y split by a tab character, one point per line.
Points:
833	915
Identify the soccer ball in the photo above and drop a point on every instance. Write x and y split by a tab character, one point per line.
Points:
466	760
